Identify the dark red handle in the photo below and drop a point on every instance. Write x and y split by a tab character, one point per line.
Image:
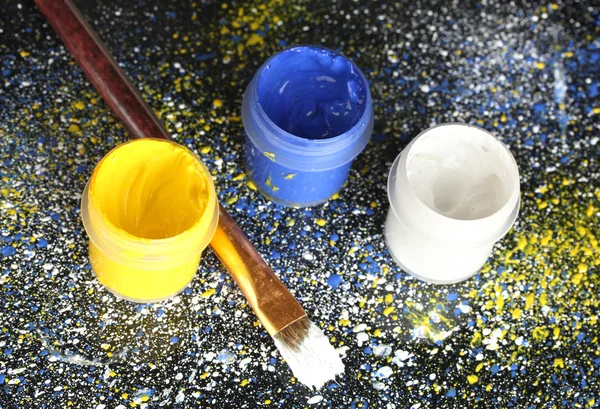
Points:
135	114
102	70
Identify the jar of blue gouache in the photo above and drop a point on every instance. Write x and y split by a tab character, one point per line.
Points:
307	113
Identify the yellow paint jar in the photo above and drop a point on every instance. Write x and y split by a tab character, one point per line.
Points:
149	209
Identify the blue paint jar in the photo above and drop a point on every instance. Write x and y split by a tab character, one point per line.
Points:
307	114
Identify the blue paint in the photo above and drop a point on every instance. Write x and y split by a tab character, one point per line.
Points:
174	340
307	114
312	93
451	393
8	251
334	280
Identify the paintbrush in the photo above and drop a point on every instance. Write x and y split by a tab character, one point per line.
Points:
302	344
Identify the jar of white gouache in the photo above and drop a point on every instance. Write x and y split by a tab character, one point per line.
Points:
453	191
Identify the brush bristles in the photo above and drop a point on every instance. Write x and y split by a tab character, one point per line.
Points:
308	353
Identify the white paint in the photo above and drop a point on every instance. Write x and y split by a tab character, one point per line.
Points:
314	400
454	191
315	362
382	350
384	372
360	327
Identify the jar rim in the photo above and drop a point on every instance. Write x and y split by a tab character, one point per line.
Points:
122	244
256	121
509	209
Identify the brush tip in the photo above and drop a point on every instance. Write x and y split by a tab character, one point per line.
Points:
309	354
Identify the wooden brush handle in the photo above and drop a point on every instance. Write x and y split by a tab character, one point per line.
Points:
273	303
102	70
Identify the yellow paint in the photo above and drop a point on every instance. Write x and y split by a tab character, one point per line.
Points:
151	209
255	39
529	301
208	293
320	222
540	333
388	310
472	379
540	65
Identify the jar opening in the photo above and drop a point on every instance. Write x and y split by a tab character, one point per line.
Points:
461	172
312	92
151	189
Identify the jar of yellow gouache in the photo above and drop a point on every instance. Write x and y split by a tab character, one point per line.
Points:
149	209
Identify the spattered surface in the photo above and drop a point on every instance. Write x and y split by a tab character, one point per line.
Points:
521	333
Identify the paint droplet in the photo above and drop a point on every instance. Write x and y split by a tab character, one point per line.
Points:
320	222
360	327
382	350
208	293
174	339
334	281
315	399
384	372
472	379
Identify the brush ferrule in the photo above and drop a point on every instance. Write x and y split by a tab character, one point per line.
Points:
272	302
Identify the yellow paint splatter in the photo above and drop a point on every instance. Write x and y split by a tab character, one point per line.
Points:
270	155
529	301
208	293
472	379
255	39
320	222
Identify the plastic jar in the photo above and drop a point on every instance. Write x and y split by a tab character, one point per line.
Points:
149	209
453	191
307	114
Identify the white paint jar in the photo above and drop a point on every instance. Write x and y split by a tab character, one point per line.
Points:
453	191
